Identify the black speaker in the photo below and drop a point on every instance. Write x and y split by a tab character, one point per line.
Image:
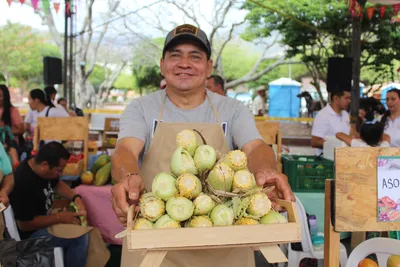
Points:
52	71
340	71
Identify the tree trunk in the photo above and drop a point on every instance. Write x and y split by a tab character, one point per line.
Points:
7	78
318	88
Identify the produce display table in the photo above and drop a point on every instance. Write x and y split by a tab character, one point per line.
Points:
99	211
351	200
71	178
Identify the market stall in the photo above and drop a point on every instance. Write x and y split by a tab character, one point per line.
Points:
361	197
65	129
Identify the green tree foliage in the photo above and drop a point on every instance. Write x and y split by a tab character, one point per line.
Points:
21	55
97	76
318	29
125	81
148	77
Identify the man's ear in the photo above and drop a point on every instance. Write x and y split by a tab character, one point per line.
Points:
210	67
161	66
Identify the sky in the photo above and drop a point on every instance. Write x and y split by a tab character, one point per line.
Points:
166	14
25	14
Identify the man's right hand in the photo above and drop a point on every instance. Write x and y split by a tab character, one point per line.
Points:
125	193
68	217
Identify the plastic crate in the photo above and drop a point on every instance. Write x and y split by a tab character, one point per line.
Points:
307	173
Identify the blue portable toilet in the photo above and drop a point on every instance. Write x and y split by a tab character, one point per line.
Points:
386	89
283	100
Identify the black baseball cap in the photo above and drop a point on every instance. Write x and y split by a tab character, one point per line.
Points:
188	32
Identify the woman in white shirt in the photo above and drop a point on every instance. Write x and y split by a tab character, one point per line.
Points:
44	106
371	134
391	118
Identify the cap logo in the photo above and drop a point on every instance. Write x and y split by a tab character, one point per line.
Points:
190	29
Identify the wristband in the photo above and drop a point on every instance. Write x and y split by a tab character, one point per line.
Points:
74	197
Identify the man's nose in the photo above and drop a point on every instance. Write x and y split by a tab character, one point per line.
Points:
184	62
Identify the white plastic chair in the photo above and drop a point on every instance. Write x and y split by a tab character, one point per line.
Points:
11	225
295	257
381	247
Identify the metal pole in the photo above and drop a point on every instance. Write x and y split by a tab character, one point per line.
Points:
356	54
71	59
65	78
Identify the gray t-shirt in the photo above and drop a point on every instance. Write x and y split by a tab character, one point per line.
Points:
139	119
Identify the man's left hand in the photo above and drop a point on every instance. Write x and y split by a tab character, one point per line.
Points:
81	206
4	198
270	177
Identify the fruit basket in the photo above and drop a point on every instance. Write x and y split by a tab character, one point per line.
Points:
213	199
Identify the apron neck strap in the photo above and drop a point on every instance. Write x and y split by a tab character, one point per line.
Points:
208	98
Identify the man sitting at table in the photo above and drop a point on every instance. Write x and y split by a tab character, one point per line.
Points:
36	181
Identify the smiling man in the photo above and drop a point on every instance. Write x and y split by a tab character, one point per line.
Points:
150	124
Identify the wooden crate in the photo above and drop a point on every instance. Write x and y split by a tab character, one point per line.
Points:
356	189
66	128
156	243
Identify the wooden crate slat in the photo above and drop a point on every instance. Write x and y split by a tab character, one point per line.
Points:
217	237
61	128
200	238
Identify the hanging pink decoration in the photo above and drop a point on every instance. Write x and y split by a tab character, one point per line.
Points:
383	10
370	12
353	4
35	4
9	2
22	2
56	6
68	8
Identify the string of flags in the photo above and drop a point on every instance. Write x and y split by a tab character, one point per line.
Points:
357	10
70	5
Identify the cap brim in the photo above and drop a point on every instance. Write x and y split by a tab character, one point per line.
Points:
179	38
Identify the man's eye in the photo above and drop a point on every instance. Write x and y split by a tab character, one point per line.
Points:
175	55
196	57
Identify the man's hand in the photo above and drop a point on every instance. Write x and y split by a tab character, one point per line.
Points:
125	193
282	189
81	206
4	198
68	217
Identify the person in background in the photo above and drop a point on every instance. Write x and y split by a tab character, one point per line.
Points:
63	102
30	122
9	115
331	119
259	102
6	138
371	134
44	107
51	93
215	83
163	84
391	118
6	184
36	181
